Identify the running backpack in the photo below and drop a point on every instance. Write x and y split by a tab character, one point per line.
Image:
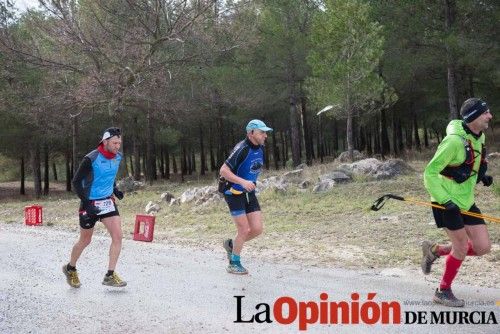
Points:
461	173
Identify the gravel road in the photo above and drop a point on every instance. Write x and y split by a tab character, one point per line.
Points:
180	290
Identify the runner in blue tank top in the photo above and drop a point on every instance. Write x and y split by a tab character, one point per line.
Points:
242	169
94	183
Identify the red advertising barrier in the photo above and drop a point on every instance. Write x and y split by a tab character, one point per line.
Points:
33	215
144	228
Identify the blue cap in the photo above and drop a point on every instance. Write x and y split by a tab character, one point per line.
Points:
257	124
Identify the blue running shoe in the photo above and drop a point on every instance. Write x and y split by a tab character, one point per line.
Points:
236	268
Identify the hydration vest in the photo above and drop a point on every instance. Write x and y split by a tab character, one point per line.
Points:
461	173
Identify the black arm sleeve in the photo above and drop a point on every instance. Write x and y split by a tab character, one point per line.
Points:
83	171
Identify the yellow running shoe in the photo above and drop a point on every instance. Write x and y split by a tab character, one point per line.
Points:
71	277
114	280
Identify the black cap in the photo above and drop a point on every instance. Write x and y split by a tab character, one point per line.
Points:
111	132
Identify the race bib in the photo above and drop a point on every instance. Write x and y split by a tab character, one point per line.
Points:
105	206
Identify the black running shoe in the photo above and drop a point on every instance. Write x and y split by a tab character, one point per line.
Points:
447	298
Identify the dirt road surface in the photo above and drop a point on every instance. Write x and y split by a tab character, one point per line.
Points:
180	290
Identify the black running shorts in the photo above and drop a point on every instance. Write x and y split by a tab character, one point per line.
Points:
242	204
455	220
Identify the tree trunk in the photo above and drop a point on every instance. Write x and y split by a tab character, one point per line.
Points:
74	158
132	170
213	166
189	169
174	164
362	131
368	139
377	147
155	163
335	136
305	127
68	171
45	169
400	137
54	171
150	152
275	150
183	163
220	146
415	131
203	162
284	151
321	151
35	166
162	162
144	161
395	144
167	162
450	12
311	141
193	162
294	127
426	137
409	137
386	146
136	149
349	129
22	189
355	133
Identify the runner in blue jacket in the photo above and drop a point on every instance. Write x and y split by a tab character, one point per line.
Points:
241	170
94	183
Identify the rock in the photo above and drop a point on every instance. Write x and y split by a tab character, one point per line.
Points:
344	156
128	184
301	166
266	183
167	197
375	169
338	177
279	188
323	185
188	195
294	176
175	201
392	168
152	208
305	184
200	195
362	167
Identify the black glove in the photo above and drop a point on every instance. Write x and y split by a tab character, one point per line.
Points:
91	209
487	180
450	206
118	193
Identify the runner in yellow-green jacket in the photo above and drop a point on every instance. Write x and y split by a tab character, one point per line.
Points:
450	177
